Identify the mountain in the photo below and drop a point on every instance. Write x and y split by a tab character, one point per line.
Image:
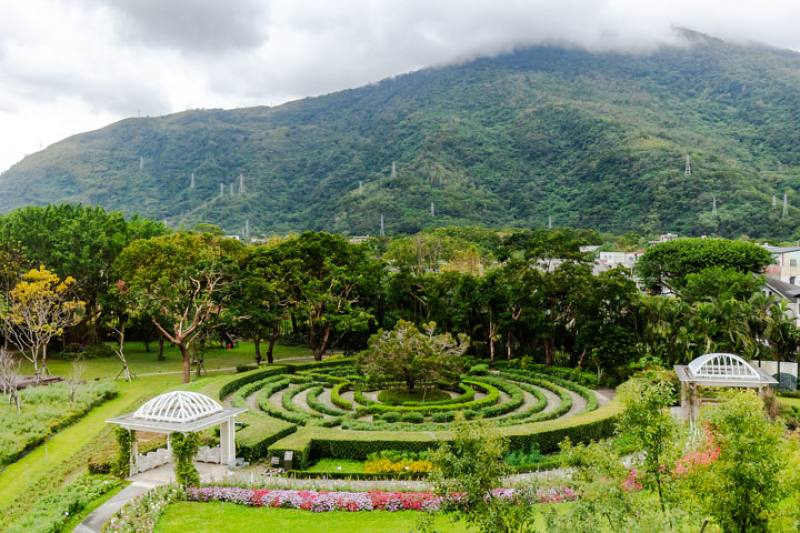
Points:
590	139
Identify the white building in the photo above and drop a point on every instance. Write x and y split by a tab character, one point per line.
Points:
786	263
608	260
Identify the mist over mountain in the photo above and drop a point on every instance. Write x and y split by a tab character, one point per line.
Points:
590	139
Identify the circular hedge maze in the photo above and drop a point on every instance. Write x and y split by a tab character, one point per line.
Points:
330	410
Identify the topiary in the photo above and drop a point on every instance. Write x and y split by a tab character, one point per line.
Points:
391	416
413	418
184	448
122	466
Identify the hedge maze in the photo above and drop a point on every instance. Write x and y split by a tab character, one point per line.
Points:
328	410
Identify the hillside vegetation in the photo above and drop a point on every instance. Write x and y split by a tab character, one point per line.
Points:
592	139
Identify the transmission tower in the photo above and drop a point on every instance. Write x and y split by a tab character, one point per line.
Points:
360	188
141	162
433	210
221	189
785	203
231	187
191	182
247	230
774	201
394	170
241	183
383	230
688	170
549	221
714	205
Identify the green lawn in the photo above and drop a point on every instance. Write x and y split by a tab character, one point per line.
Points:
229	517
145	363
795	402
344	466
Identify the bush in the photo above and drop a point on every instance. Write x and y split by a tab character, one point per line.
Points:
246	368
122	466
313	401
447	416
142	513
336	398
249	377
51	513
413	418
480	369
391	416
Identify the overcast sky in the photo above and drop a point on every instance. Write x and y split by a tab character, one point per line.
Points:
68	66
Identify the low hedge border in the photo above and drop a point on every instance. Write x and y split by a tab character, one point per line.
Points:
355	476
492	395
336	396
315	443
314	402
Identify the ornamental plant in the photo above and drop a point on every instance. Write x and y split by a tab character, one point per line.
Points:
122	466
184	448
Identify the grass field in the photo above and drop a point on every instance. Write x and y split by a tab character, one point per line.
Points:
343	466
795	402
145	363
228	517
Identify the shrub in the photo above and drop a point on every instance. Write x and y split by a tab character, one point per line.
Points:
184	448
447	416
314	402
53	511
142	513
391	416
122	466
337	399
249	377
480	369
246	368
413	418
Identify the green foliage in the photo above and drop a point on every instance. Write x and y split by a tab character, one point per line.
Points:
54	511
744	483
669	264
45	411
722	283
184	448
424	396
413	418
142	513
408	355
613	127
122	466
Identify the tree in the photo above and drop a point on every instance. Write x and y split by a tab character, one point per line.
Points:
467	471
669	263
180	281
77	241
741	487
720	282
648	422
324	276
37	311
408	355
9	373
259	297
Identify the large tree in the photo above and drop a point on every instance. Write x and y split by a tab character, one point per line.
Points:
36	311
409	355
324	276
77	241
668	264
178	280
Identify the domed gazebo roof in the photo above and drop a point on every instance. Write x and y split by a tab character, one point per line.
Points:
178	406
723	370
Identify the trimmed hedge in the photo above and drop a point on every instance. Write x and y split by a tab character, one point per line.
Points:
249	377
336	398
314	402
492	395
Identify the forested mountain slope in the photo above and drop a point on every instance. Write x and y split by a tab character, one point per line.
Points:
591	139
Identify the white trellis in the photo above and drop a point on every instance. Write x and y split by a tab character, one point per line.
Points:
181	412
717	370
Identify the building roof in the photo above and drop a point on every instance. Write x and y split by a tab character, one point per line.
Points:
180	411
780	249
723	370
786	290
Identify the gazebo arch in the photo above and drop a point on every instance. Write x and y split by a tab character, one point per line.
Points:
182	412
718	370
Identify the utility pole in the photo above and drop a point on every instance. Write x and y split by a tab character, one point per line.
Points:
433	210
394	170
141	162
247	230
241	183
688	170
191	182
714	205
383	231
549	221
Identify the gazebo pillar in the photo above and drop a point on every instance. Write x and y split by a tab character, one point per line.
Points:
227	442
134	452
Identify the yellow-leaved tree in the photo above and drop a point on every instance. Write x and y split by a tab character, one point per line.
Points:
37	310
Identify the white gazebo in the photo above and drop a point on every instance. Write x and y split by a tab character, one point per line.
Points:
181	412
718	370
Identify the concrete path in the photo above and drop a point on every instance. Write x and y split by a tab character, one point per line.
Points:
94	522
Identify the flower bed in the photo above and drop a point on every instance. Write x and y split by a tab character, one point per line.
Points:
326	501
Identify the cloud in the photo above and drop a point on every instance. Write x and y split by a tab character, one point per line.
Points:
192	26
68	66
